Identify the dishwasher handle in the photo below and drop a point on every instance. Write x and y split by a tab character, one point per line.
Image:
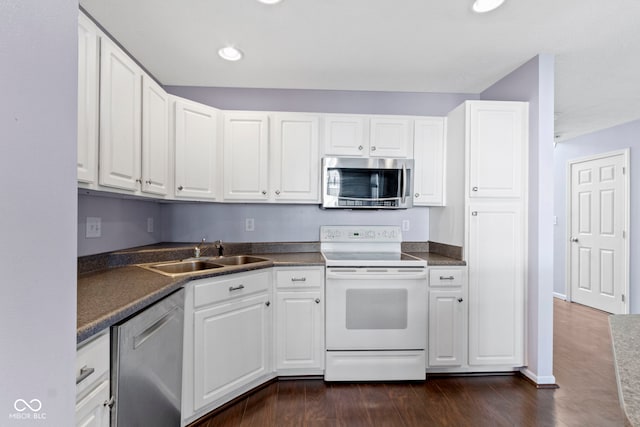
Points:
139	339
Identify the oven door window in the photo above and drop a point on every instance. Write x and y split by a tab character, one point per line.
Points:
372	309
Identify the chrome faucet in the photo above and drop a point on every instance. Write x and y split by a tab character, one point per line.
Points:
219	247
196	250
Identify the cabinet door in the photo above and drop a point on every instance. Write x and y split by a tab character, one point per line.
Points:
155	138
497	148
295	163
345	136
299	330
195	155
231	347
120	117
92	411
428	154
390	138
496	284
88	61
446	327
246	156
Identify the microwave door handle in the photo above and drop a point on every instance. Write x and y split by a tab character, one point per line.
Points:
404	183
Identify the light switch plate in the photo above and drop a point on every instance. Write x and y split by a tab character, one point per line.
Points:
94	227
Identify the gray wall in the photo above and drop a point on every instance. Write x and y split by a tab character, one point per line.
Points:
533	82
38	84
324	101
124	223
615	138
288	223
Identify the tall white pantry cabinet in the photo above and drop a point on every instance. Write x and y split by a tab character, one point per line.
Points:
486	175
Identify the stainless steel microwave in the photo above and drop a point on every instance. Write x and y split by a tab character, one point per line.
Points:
353	183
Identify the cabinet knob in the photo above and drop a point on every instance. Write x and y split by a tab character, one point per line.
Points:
317	300
268	303
277	192
460	300
264	192
139	180
373	148
180	187
110	402
474	213
148	182
417	195
474	189
360	147
574	239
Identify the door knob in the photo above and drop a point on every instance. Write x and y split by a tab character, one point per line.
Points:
574	239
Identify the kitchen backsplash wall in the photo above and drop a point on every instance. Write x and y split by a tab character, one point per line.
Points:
277	223
123	223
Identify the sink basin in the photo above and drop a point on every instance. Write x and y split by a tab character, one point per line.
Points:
239	260
185	267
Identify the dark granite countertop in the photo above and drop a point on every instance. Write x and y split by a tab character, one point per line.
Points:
434	260
625	336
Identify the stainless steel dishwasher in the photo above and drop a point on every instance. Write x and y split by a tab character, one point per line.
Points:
147	365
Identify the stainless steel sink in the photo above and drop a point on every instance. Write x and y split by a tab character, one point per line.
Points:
184	267
238	260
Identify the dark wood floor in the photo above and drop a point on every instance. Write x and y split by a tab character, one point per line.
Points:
583	366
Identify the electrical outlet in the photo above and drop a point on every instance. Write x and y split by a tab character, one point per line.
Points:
405	225
249	224
150	224
94	227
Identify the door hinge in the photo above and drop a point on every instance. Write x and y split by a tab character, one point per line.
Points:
622	297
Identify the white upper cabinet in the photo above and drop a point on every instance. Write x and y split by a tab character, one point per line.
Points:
155	138
390	137
195	150
120	118
428	154
88	69
295	163
345	136
497	131
246	156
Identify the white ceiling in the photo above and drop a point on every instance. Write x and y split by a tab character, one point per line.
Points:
401	45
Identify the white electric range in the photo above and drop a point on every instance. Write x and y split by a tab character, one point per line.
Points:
376	305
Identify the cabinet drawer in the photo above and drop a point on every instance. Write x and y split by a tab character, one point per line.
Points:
300	278
92	362
453	277
210	291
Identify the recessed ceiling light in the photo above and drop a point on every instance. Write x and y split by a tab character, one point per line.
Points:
482	6
230	53
270	1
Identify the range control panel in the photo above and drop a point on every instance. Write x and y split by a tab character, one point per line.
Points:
367	233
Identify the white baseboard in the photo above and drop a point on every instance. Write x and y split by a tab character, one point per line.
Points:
560	296
540	380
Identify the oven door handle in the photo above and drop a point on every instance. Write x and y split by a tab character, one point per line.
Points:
373	274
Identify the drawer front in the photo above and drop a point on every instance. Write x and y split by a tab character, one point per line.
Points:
300	278
92	362
446	277
209	291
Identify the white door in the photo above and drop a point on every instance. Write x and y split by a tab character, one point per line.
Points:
295	163
428	154
246	156
345	136
390	138
155	138
195	145
120	118
598	247
496	284
446	327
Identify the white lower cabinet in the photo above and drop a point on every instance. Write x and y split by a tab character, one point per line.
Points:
228	339
299	320
93	404
447	330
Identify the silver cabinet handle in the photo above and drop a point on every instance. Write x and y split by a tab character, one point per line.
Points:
84	373
277	192
110	402
180	187
360	147
474	189
446	277
268	303
148	182
298	279
236	288
460	300
317	300
264	192
417	195
574	239
474	213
